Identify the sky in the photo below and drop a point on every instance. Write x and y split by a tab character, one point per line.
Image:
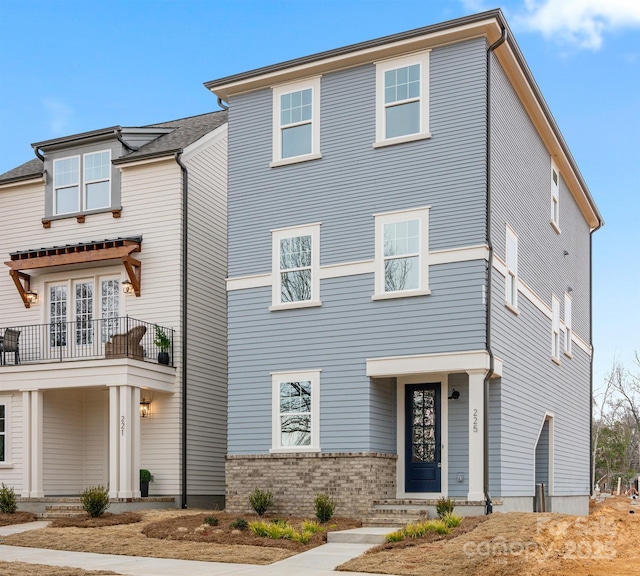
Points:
72	66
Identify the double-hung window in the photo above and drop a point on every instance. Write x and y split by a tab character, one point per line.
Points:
296	411
402	99
555	198
5	431
401	248
511	280
296	122
567	324
82	186
555	329
296	263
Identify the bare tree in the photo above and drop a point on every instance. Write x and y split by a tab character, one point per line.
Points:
602	413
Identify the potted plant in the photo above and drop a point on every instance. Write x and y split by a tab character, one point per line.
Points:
163	342
145	478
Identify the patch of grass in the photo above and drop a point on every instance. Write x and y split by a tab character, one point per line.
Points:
451	520
418	530
102	521
16	518
397	536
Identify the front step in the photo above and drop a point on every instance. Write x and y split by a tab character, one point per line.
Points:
364	535
63	511
396	513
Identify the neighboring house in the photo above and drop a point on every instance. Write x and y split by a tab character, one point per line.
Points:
409	299
106	235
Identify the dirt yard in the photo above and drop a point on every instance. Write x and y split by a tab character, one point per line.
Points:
24	569
606	543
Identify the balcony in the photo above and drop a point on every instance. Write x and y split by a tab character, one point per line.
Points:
122	337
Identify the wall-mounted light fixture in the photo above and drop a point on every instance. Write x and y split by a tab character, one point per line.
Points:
127	287
32	297
565	252
454	395
145	408
569	289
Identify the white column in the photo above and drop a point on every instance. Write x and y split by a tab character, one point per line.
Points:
114	441
37	449
26	444
476	434
126	444
135	463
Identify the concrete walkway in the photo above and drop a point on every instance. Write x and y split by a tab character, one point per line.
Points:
320	561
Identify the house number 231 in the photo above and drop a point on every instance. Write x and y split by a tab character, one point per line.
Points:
475	419
122	425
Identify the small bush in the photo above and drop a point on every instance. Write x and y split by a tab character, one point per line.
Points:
145	475
8	501
261	501
211	521
95	500
444	506
418	530
397	536
302	537
311	526
239	524
324	507
271	530
451	520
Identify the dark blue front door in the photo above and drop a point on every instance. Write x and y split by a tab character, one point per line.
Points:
422	438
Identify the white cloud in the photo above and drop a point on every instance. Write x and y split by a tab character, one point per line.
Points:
58	114
581	22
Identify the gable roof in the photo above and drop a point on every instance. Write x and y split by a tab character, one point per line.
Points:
184	132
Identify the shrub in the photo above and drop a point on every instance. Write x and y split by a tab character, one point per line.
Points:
261	501
239	524
311	526
451	520
324	507
444	506
418	530
8	501
302	537
211	520
397	536
271	530
145	475
95	500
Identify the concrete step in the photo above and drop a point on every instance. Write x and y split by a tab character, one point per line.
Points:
63	511
365	535
391	521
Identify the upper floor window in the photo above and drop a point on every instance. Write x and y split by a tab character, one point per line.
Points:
3	431
555	329
296	411
402	99
296	122
94	193
402	245
296	267
555	197
511	287
567	324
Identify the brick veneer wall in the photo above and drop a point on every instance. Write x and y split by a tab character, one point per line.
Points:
353	480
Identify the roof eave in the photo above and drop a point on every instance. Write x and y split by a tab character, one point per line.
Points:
150	156
24	179
76	137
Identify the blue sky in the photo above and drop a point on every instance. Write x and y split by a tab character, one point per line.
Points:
72	66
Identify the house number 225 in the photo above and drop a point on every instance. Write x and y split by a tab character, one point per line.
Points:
122	425
475	419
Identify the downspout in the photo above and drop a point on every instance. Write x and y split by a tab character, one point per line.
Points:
185	205
222	104
38	153
487	378
591	486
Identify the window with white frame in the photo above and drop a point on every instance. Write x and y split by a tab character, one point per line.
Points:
95	193
296	122
401	250
5	430
567	324
555	329
296	411
511	287
555	197
296	267
402	99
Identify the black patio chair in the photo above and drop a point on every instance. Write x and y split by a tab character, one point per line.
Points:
10	343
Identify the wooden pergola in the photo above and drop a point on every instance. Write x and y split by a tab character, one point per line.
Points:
82	253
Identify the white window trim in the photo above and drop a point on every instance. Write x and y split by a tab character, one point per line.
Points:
421	214
56	188
312	230
6	401
555	198
85	181
555	329
314	84
568	332
421	58
276	378
512	306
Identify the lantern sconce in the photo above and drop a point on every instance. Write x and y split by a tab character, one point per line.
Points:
454	395
32	296
145	408
127	287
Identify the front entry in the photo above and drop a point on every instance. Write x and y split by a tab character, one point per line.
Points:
422	438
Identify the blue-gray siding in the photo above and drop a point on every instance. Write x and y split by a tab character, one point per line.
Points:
542	457
458	436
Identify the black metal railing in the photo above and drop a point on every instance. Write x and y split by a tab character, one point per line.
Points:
64	341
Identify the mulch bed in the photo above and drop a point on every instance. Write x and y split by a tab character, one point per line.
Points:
107	519
192	528
17	518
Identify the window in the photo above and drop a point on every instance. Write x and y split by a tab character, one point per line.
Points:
567	324
555	329
511	287
5	431
296	122
296	411
96	188
296	274
402	99
555	197
402	246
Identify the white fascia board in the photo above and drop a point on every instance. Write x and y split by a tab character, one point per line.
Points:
394	366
